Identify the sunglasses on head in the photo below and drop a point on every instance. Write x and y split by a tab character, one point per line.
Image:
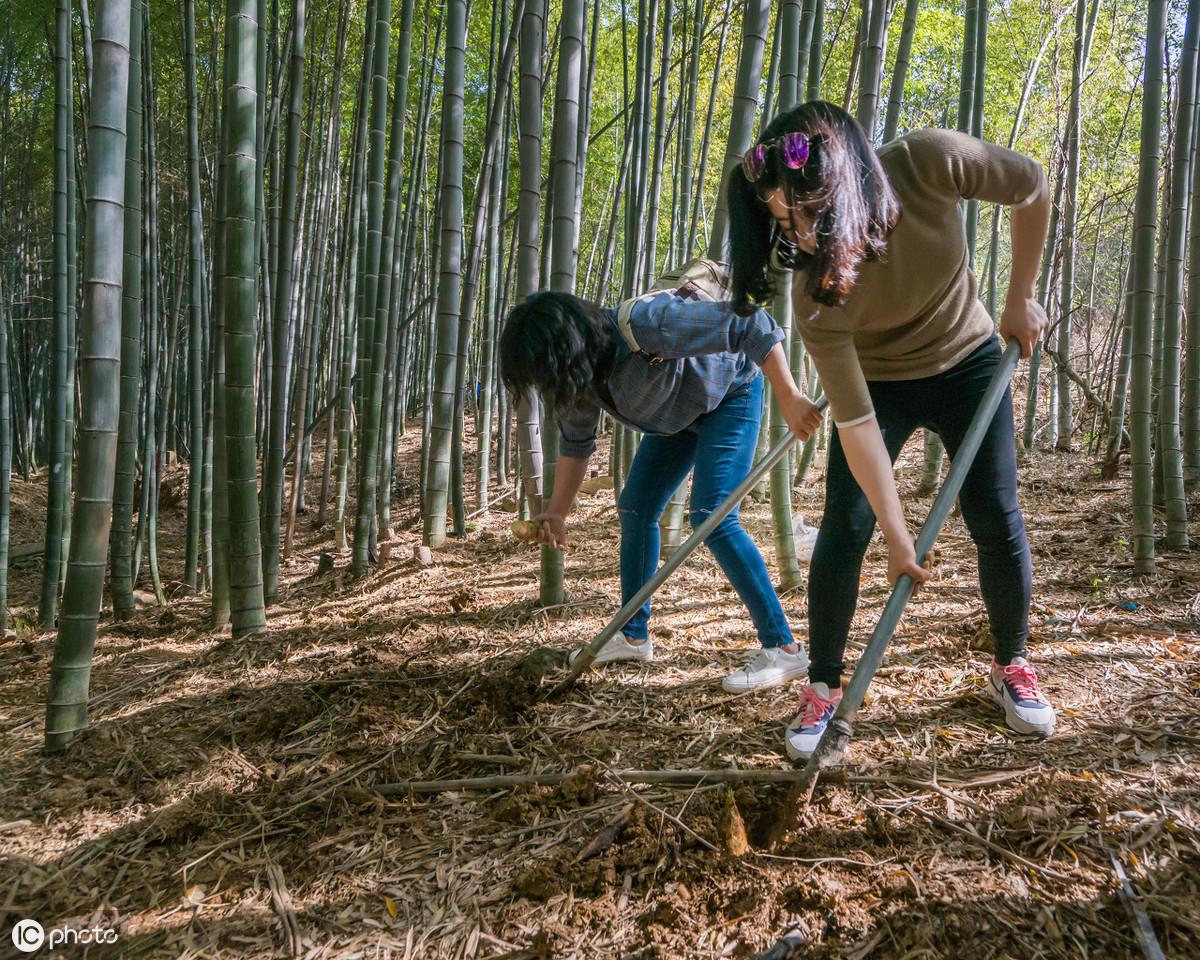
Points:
793	150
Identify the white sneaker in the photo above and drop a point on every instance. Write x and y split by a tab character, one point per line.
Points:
769	668
801	736
619	648
1015	688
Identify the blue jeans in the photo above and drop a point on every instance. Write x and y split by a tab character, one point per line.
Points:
720	445
945	404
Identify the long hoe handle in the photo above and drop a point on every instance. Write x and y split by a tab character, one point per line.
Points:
832	745
589	653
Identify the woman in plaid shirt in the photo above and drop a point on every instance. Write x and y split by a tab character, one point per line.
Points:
695	390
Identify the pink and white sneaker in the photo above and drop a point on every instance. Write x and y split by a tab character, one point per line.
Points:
1015	688
802	735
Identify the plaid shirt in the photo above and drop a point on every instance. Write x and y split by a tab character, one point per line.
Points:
707	351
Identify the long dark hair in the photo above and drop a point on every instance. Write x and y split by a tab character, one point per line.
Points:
842	183
557	344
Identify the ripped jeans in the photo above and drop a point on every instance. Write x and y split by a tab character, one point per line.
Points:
720	445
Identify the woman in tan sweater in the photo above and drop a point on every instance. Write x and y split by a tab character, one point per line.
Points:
886	303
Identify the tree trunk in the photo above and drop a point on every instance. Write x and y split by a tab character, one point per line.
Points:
450	277
562	258
121	552
815	58
1035	362
470	286
61	382
1063	411
1145	224
1169	439
6	446
900	72
282	318
1191	378
790	577
100	366
872	68
246	607
197	320
370	374
755	19
533	29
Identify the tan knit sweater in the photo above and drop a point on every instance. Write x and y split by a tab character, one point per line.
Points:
916	312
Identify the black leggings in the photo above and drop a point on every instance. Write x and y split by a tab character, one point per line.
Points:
945	404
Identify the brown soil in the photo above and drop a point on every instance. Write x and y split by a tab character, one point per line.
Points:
224	792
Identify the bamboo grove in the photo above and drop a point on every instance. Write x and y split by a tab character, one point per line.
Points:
251	242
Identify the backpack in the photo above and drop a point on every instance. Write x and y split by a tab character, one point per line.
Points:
698	279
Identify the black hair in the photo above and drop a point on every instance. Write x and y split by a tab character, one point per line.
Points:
842	184
557	344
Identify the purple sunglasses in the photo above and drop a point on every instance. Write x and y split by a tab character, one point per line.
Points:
793	151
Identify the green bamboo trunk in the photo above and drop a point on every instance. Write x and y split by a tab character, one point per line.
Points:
790	577
151	457
493	269
120	543
755	18
395	273
1169	438
966	102
196	321
891	120
437	490
872	68
281	321
73	246
1145	225
1035	362
100	367
246	608
1120	388
528	422
654	195
1191	377
6	447
1063	411
706	140
61	379
562	258
977	104
816	50
470	284
348	289
370	357
683	233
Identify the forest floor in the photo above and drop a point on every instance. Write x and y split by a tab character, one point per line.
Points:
223	802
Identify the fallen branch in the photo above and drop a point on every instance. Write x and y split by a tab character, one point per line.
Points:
672	778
